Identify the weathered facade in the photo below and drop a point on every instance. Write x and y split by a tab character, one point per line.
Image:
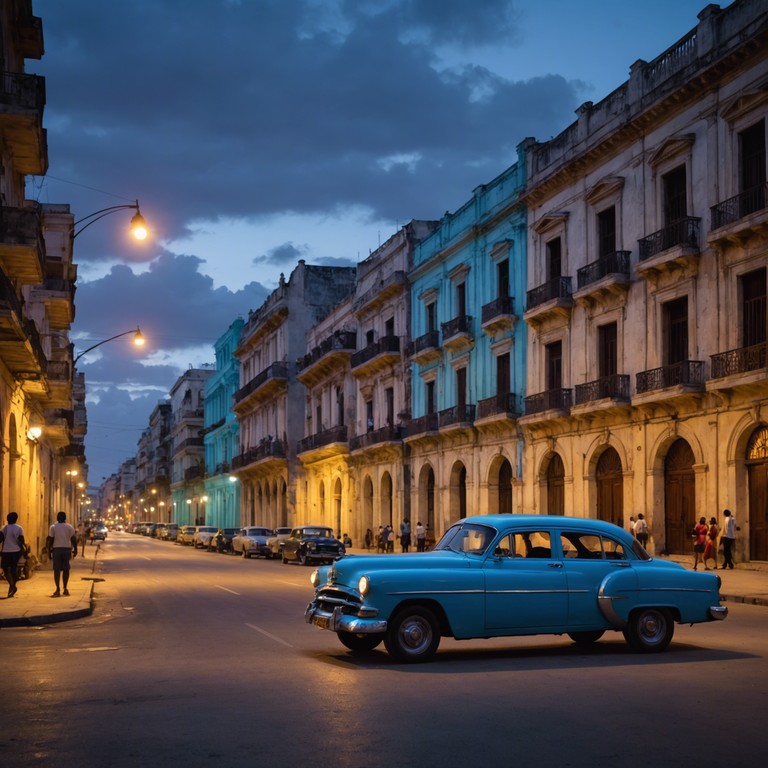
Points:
646	308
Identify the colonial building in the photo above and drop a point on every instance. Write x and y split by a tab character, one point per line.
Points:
467	282
646	308
221	432
270	401
151	495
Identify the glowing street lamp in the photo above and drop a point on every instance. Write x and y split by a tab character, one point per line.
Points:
138	341
138	225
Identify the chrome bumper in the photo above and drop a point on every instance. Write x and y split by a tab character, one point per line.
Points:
718	612
336	621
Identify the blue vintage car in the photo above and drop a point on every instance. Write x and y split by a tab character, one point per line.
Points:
505	575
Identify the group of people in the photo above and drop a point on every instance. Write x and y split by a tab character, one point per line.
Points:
384	540
705	541
61	545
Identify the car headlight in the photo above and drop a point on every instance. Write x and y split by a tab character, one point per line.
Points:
314	578
364	585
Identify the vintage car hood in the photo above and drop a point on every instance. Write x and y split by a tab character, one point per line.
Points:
348	569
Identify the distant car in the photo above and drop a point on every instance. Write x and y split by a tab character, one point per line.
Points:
168	533
311	544
507	575
99	532
222	541
159	530
186	534
203	535
275	542
251	541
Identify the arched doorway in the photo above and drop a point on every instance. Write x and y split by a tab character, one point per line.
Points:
679	497
458	492
337	507
610	490
427	511
757	473
386	500
505	488
555	486
368	503
321	502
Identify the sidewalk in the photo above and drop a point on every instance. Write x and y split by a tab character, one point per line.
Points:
33	605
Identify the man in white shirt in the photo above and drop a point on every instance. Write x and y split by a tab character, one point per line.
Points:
62	542
729	538
12	537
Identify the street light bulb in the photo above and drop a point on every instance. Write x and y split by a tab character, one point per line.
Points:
138	339
139	227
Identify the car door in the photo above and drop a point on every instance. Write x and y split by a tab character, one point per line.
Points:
525	585
588	559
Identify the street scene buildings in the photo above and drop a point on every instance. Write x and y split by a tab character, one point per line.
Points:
586	335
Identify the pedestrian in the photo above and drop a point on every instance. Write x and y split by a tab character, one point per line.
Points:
81	537
12	538
710	550
699	543
405	535
381	540
728	538
368	539
641	530
390	534
62	542
632	523
421	537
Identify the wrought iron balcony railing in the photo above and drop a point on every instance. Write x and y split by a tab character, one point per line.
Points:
683	232
610	264
556	288
685	373
549	400
616	387
742	360
501	404
739	206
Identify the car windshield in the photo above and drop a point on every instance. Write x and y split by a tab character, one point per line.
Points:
469	538
317	533
207	529
259	532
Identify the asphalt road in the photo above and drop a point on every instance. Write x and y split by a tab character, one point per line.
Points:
193	658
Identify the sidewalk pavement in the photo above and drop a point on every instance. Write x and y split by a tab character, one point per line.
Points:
33	605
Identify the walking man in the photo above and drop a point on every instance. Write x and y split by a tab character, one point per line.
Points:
62	542
12	537
729	538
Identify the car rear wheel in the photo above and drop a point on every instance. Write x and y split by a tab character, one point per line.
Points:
649	630
586	638
359	643
413	635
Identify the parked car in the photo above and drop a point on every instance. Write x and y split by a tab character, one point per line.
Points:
99	532
312	543
251	541
222	541
505	575
203	535
170	532
186	534
275	542
159	530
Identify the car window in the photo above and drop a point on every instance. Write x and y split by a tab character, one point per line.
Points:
469	538
589	546
316	533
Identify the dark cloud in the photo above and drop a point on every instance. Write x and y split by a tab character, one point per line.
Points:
287	253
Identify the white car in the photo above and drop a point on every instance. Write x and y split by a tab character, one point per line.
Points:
203	535
275	542
251	541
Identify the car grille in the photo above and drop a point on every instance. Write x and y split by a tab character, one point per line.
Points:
329	598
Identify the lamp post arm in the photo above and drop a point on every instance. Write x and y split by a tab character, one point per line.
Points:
136	330
100	214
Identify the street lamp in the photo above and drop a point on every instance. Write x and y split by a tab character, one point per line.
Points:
138	224
72	474
138	340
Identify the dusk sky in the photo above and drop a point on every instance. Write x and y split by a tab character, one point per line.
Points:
258	132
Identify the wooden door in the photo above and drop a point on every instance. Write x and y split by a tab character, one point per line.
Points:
610	491
679	498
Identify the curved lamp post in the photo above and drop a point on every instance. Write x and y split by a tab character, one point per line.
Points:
138	340
138	224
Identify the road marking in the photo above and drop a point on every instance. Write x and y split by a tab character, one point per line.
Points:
231	592
293	584
267	634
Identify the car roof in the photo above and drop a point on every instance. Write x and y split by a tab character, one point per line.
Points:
550	521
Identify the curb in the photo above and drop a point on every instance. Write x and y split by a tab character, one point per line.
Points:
51	618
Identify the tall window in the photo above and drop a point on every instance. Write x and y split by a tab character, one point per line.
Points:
554	259
754	324
503	379
675	200
606	232
554	360
461	387
369	415
369	338
389	399
502	273
339	406
607	350
389	327
430	397
431	317
461	300
676	331
752	149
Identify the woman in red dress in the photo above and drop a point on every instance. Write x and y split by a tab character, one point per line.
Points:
710	550
700	540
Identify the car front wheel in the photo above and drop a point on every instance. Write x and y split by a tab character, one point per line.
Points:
359	643
413	635
649	630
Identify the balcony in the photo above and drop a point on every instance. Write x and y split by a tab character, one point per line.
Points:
606	277
188	445
608	394
22	249
263	458
59	299
20	347
376	438
740	217
674	248
30	34
743	369
552	299
324	445
421	426
498	408
679	381
22	99
498	316
193	472
425	349
376	357
377	296
326	357
457	333
266	384
59	425
59	373
554	401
